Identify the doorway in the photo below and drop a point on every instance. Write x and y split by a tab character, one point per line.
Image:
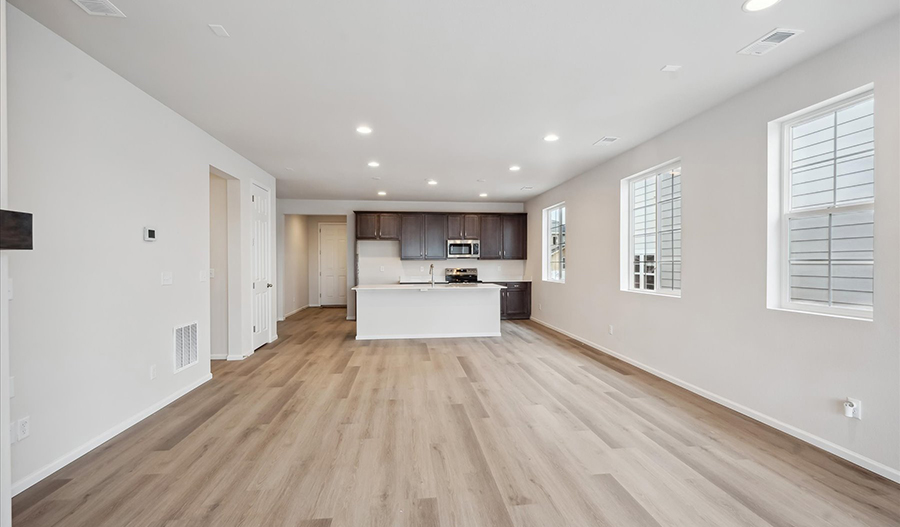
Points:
218	267
333	264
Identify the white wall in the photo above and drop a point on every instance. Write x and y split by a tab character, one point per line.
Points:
296	263
218	264
96	159
346	208
790	370
5	472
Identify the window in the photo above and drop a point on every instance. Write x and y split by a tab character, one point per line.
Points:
555	243
651	231
828	209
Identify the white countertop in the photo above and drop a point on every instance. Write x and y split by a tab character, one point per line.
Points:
428	281
426	287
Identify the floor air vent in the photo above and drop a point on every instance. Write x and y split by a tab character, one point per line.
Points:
185	346
99	8
769	42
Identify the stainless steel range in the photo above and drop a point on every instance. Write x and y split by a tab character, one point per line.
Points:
461	275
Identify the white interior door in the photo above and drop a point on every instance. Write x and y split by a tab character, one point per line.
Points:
261	266
333	264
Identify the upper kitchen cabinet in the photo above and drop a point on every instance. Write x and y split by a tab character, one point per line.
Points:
388	226
366	226
377	226
412	236
491	237
463	227
436	236
515	235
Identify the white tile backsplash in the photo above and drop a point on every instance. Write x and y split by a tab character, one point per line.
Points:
377	255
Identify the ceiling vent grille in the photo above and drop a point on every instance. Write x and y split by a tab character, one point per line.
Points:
99	8
185	346
769	42
606	140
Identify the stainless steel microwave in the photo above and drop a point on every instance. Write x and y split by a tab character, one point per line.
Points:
463	248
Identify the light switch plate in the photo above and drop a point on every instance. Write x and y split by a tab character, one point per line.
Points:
166	278
212	273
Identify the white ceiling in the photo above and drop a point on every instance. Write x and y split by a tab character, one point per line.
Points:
455	90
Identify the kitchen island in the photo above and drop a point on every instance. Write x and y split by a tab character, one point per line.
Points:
409	311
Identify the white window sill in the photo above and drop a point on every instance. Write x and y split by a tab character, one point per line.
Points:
553	281
652	293
862	317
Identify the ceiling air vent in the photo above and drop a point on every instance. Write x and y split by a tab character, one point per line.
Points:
606	140
99	8
769	42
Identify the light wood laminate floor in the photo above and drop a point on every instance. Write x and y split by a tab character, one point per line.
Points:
531	429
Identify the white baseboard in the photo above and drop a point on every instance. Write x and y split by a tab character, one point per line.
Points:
218	356
314	305
61	462
429	336
294	312
842	452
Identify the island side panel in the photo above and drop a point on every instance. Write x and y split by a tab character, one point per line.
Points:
429	313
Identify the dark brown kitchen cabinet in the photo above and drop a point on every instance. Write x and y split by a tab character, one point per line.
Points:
435	236
515	300
412	236
388	226
454	226
366	226
471	227
491	237
463	227
377	226
514	236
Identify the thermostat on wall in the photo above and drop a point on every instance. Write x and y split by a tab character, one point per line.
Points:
149	234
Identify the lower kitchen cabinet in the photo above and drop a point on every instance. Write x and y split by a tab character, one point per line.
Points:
515	300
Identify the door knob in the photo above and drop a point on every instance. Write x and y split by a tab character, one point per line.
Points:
268	285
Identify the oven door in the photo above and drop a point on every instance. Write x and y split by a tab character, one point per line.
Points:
461	249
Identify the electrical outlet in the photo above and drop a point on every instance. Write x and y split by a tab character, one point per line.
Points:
421	268
13	433
382	268
23	428
855	408
611	329
152	371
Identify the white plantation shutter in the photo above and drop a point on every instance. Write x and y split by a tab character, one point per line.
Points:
656	230
830	216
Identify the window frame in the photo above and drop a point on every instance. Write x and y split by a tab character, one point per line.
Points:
545	248
786	213
627	221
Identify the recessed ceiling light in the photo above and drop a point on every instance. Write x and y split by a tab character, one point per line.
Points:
432	182
219	30
515	168
365	130
551	138
382	193
669	68
758	5
482	195
374	164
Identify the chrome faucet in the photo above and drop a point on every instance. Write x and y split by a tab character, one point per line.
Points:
432	275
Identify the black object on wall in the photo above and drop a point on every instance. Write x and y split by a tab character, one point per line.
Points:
16	230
